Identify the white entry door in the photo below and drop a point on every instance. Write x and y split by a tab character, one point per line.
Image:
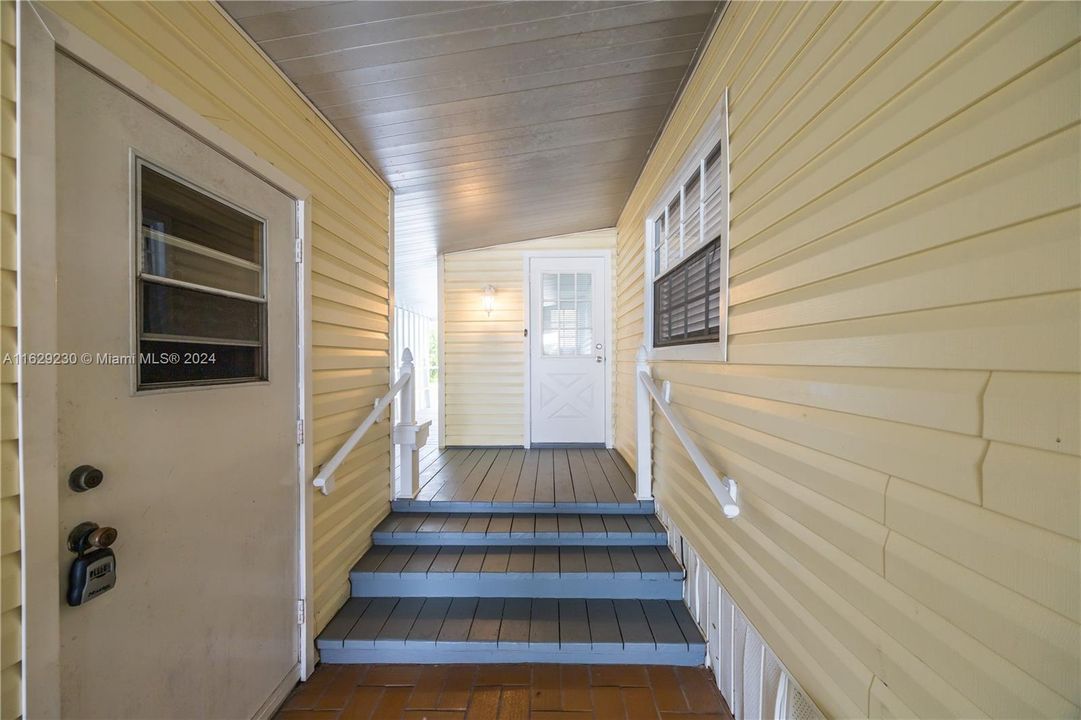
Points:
568	357
176	291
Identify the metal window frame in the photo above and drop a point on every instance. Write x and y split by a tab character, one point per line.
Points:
139	162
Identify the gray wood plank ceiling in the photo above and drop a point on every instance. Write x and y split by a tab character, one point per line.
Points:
493	121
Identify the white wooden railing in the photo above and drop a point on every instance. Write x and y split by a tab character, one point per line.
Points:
414	330
723	488
409	436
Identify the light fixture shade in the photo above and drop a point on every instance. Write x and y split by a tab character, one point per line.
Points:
489	299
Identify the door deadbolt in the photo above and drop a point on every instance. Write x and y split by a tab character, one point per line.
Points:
85	477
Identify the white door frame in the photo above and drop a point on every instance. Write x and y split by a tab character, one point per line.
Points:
609	350
41	34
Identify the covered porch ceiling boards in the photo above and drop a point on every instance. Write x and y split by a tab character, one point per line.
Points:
493	121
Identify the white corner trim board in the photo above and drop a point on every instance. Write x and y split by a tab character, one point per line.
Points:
753	681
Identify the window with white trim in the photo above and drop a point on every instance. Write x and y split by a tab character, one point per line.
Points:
687	247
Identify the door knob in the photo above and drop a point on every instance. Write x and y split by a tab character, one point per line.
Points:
88	535
600	359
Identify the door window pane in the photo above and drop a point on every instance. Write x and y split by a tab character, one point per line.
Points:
201	295
183	313
566	314
178	209
172	257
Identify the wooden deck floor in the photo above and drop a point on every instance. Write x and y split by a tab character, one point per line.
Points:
565	478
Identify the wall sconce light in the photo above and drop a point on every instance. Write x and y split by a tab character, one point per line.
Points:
489	299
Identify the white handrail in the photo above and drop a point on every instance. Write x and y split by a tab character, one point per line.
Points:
723	488
324	480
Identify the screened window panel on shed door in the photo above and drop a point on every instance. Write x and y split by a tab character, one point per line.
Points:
201	298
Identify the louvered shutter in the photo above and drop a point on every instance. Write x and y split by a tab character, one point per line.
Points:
686	300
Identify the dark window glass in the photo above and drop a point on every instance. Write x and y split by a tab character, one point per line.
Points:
202	305
167	364
187	313
181	211
686	300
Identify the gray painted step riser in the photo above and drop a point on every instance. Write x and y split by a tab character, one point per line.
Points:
547	540
451	506
534	585
488	654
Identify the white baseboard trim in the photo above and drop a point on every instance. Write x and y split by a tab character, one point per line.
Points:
753	681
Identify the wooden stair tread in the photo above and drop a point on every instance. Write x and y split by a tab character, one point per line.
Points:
472	629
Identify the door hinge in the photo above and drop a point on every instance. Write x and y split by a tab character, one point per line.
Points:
300	249
300	612
300	432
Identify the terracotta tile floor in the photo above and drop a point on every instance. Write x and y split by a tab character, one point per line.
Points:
506	692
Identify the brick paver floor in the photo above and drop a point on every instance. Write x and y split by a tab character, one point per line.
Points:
506	692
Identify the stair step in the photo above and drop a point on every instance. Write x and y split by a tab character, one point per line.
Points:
512	630
470	506
518	529
642	572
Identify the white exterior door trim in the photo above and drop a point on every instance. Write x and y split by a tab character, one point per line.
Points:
41	34
527	301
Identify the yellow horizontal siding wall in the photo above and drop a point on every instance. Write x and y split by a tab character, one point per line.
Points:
483	374
195	53
901	402
10	542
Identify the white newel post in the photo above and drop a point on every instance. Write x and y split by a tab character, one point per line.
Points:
644	410
408	435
